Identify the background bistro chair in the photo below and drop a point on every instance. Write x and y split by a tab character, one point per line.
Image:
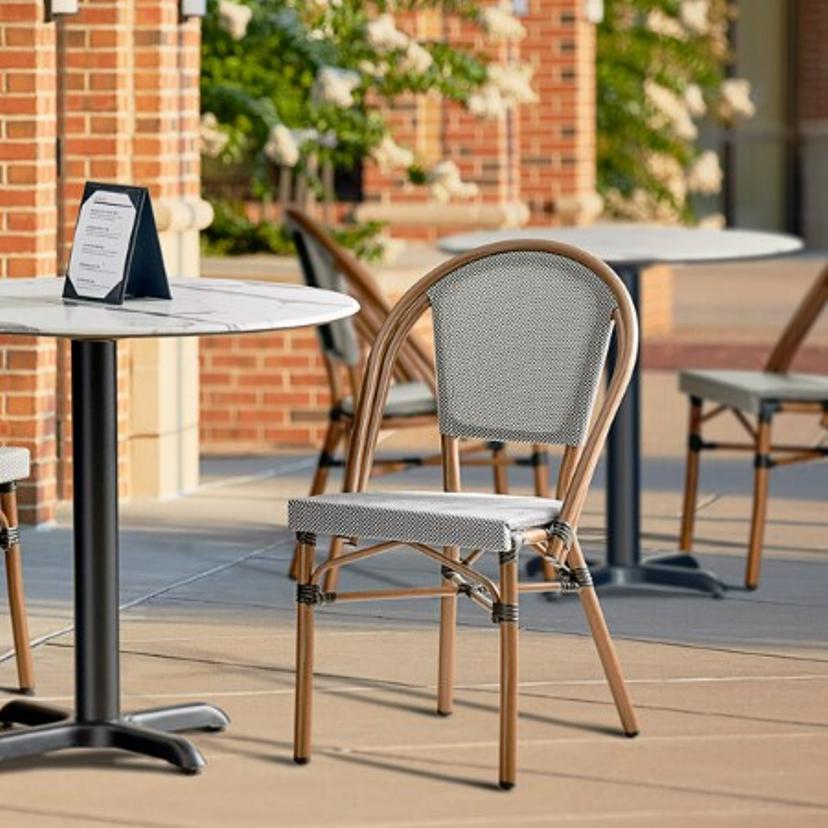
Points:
761	394
411	402
521	331
14	466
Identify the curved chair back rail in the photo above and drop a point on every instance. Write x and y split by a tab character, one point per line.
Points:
806	314
545	311
326	265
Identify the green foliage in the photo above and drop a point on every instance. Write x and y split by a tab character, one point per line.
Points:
233	234
634	50
270	75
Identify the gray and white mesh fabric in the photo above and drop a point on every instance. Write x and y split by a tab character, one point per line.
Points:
521	338
339	338
14	464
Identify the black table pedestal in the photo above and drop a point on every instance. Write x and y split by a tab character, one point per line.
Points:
624	565
98	721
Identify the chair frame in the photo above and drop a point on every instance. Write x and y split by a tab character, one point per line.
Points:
413	364
766	455
10	544
558	544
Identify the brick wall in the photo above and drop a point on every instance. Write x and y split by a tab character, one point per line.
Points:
557	136
543	155
127	106
27	236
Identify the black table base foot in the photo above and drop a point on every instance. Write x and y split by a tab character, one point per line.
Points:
146	733
31	714
181	717
678	571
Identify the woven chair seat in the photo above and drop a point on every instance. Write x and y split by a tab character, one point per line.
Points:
747	390
468	520
405	399
14	464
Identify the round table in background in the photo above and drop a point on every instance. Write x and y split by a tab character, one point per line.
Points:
34	307
628	249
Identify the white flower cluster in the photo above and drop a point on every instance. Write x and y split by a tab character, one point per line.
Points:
735	101
283	145
663	24
672	111
695	16
641	206
416	59
384	35
500	22
212	139
694	99
668	171
446	183
507	86
373	70
389	155
234	18
705	176
693	19
336	86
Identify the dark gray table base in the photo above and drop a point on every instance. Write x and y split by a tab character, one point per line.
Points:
97	722
624	566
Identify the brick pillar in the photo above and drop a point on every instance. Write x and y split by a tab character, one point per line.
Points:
812	94
557	142
27	237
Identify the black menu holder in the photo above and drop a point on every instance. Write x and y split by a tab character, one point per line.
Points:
144	272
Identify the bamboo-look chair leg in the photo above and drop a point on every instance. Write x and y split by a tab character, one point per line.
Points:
17	600
540	468
691	475
606	649
760	501
448	638
501	475
509	676
304	658
333	437
332	575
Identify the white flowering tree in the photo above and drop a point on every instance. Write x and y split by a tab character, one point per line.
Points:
661	71
295	84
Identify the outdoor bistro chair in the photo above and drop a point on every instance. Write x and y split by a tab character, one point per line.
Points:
521	332
411	402
14	466
761	394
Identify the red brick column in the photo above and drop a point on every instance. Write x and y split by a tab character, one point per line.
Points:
557	143
27	237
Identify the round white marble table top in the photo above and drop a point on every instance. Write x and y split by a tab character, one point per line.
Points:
199	307
634	245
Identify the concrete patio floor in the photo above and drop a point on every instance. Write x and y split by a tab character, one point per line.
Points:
731	693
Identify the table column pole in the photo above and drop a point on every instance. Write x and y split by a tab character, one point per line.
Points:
623	486
95	475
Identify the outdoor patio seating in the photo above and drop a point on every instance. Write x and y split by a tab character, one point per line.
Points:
759	394
411	402
14	466
521	333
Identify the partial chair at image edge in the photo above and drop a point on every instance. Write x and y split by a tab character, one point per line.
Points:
541	378
411	402
761	394
14	466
